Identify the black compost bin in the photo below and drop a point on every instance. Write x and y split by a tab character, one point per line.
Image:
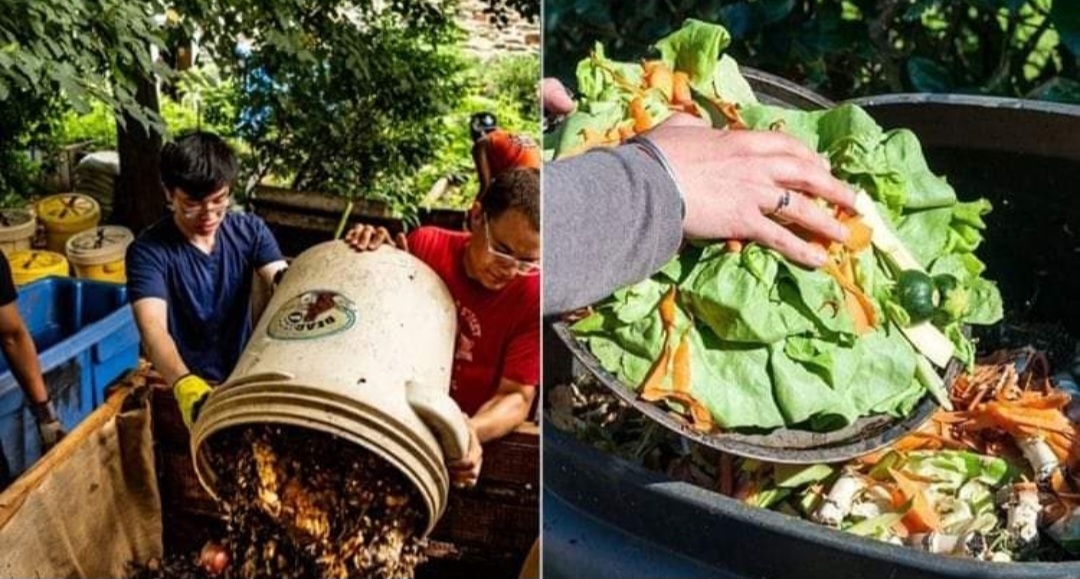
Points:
605	517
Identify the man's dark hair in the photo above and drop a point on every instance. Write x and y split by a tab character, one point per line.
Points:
199	163
519	190
481	124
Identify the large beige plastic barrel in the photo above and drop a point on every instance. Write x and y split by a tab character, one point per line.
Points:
359	345
17	229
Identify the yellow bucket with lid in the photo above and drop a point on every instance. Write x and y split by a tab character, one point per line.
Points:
64	215
29	265
17	229
99	253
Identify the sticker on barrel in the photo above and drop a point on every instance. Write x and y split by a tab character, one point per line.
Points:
313	314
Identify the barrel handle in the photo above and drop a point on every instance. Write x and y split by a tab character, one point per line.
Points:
441	414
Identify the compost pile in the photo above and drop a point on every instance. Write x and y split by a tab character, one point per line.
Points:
731	335
997	478
304	504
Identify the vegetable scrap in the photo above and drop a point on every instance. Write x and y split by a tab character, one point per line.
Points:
995	479
732	336
291	513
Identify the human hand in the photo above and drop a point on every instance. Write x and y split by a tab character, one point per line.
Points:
190	392
555	98
369	238
738	184
50	430
466	471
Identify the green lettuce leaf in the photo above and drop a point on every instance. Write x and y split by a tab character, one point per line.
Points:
695	49
729	85
601	80
926	233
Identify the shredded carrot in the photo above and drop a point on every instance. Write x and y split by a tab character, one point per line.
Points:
680	89
858	313
859	305
942	440
1009	416
660	77
859	233
667	311
625	132
733	245
732	115
921	517
652	390
643	121
944	417
680	372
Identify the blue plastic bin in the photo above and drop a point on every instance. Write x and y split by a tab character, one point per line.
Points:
86	338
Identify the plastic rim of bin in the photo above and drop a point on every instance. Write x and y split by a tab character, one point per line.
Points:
17	229
29	265
99	253
66	214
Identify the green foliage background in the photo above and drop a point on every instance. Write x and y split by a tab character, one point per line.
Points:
849	48
362	100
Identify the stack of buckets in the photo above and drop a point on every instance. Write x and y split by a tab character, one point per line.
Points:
72	238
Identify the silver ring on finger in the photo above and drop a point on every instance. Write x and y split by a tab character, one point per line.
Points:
781	203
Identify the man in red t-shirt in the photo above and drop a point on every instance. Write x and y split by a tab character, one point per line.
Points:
492	272
496	150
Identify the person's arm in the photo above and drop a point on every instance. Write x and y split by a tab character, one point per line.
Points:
269	273
21	354
611	217
505	411
500	415
22	357
267	255
483	167
152	318
614	216
190	390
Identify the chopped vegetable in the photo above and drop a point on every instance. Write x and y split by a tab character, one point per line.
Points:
841	498
916	293
1023	515
762	343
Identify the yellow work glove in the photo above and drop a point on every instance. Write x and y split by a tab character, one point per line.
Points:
190	392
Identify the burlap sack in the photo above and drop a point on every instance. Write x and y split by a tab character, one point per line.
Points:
89	506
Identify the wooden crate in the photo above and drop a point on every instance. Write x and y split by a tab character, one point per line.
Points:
487	531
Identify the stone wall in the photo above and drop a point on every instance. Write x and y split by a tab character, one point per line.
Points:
486	40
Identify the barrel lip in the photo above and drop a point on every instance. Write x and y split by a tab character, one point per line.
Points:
371	430
49	212
25	229
29	265
116	239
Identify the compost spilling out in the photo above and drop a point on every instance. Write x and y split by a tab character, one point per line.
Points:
305	504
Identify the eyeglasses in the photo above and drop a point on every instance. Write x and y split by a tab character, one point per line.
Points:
215	208
521	267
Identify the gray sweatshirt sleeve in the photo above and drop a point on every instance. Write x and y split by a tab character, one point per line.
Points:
611	217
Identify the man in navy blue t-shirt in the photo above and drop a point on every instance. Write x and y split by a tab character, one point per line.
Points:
190	274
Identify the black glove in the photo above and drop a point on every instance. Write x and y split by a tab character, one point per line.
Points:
48	423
